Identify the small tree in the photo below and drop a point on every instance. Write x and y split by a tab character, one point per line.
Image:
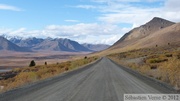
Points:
32	63
45	63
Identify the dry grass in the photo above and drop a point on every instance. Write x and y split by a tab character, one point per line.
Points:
21	59
162	63
32	74
170	72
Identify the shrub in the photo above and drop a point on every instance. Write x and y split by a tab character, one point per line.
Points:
28	75
168	55
153	67
170	72
157	60
32	63
66	69
85	57
45	63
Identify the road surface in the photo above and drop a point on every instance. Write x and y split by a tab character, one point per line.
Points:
103	81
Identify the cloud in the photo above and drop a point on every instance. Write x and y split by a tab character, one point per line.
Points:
86	6
112	13
8	7
127	11
71	20
111	40
82	32
124	1
172	5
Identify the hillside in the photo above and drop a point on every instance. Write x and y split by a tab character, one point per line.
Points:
157	32
29	42
167	36
135	35
9	46
96	47
49	44
61	45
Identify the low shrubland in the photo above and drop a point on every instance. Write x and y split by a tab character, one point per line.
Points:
162	63
31	74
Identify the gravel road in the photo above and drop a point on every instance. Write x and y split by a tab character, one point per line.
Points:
103	81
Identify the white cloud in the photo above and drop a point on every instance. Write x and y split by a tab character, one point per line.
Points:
172	5
111	40
123	11
124	1
71	20
86	6
83	33
134	16
83	29
8	7
112	13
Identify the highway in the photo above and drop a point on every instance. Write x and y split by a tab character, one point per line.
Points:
103	81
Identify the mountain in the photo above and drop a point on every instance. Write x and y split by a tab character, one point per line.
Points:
96	47
61	45
7	45
155	28
29	42
169	35
58	44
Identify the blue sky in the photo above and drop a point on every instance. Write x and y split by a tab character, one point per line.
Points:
90	21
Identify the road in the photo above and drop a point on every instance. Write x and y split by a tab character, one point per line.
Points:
103	81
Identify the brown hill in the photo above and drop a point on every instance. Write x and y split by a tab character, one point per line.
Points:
143	31
167	36
157	32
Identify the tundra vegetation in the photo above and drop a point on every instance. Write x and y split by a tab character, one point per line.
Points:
31	74
161	63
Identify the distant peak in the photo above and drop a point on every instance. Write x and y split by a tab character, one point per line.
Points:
158	19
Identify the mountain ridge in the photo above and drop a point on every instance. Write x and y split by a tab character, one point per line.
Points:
7	45
157	32
49	44
141	32
96	47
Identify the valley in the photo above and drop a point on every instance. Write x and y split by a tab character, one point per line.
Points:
10	60
148	55
17	52
89	50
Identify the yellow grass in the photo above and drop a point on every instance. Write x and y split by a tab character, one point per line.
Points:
32	74
162	63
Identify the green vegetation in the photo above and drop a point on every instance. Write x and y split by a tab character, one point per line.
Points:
162	63
32	74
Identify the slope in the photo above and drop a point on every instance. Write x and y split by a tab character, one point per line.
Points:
96	47
141	32
7	45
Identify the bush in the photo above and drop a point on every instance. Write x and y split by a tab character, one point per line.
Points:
32	63
170	72
157	60
45	63
66	69
168	55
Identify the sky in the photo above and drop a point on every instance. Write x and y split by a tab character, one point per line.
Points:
85	21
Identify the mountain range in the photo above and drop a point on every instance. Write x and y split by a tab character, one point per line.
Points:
156	32
48	44
7	45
